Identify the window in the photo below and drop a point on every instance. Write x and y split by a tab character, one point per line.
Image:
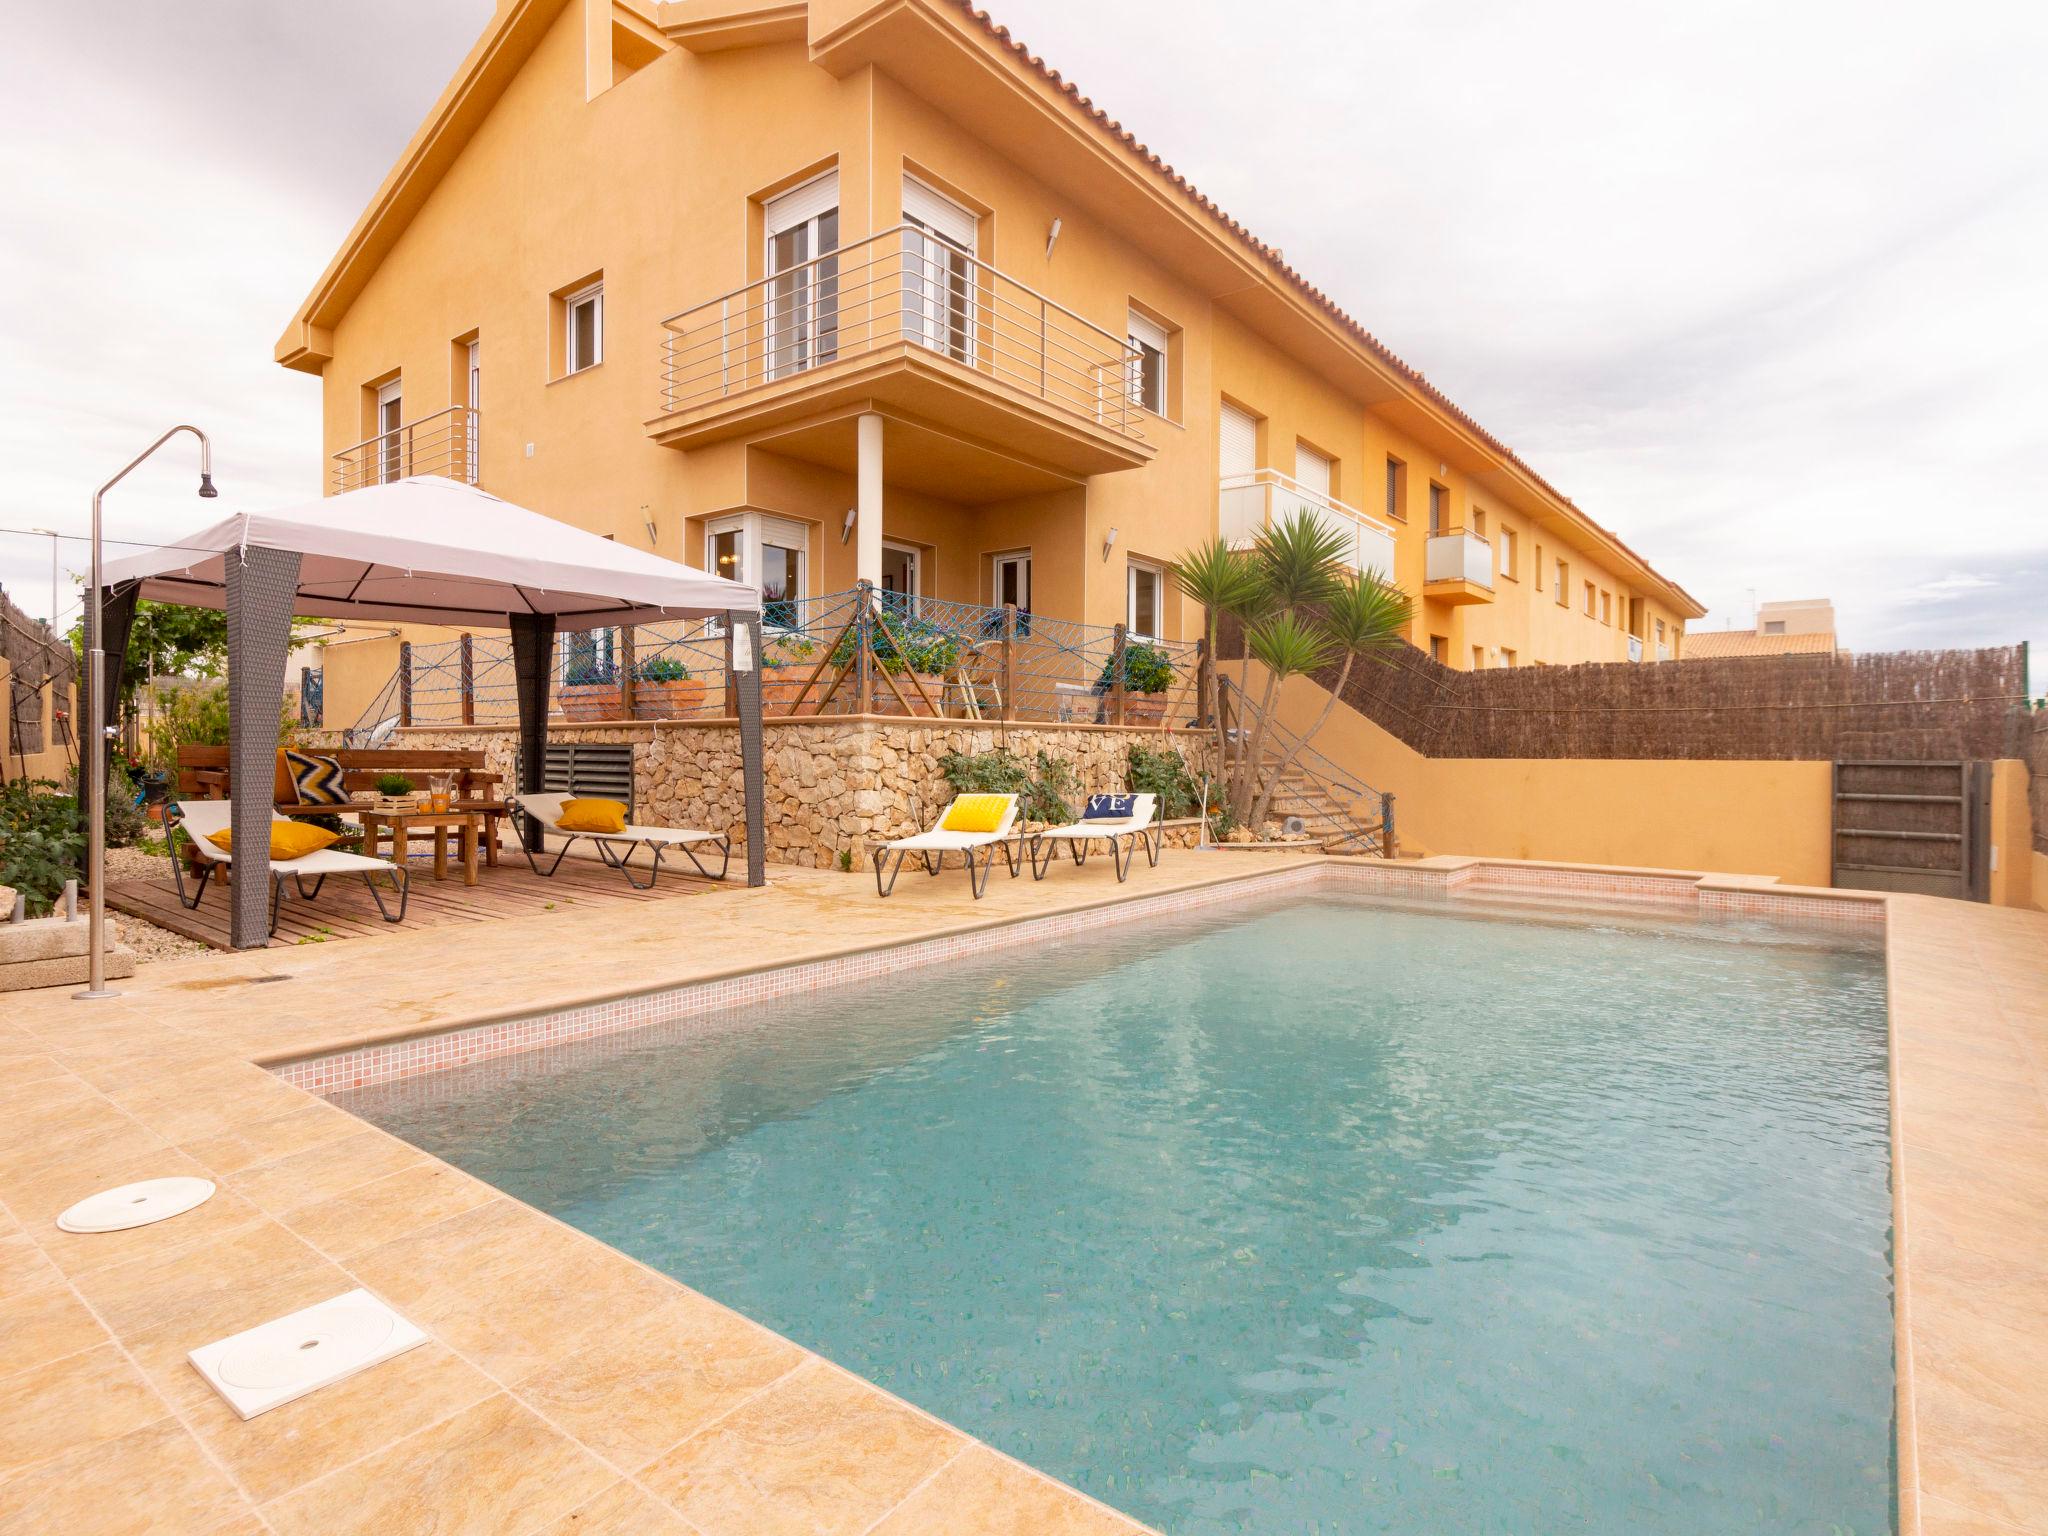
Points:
1478	658
1148	368
1440	650
1478	522
1439	509
1774	626
1397	489
802	317
1589	599
939	241
1147	606
1606	606
1510	553
390	412
583	328
1564	581
1660	631
1507	657
769	552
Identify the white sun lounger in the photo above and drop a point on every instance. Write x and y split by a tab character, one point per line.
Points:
933	846
1124	834
615	848
202	818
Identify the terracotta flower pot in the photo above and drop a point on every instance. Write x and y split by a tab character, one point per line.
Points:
1144	709
934	690
590	701
780	686
679	699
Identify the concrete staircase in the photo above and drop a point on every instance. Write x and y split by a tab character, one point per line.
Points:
51	951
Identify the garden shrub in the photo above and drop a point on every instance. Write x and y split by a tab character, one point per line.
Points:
40	844
1045	787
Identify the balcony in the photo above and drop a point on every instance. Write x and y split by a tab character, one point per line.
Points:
1248	502
444	443
1458	568
905	321
1635	647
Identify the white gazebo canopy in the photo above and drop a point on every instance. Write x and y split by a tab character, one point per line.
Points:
431	550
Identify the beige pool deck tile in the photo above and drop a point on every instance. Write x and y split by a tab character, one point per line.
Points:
983	1493
369	1215
624	1509
818	1454
76	1400
490	1469
528	1411
633	1395
153	1479
42	1325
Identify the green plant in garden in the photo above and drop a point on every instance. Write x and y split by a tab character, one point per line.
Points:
788	652
1146	670
1162	773
393	785
846	861
40	844
661	669
898	642
196	715
1045	787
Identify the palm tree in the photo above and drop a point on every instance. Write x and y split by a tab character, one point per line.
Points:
1302	607
1367	617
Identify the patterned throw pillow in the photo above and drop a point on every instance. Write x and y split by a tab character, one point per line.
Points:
316	779
1110	808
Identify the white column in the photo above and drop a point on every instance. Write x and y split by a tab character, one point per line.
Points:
867	528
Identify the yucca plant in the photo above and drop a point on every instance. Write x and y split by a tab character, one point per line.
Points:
1302	608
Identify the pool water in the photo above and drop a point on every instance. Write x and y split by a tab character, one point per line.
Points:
1324	1216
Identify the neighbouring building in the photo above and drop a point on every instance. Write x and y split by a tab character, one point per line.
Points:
813	291
1800	627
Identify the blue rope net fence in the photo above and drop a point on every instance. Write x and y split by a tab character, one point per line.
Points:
841	653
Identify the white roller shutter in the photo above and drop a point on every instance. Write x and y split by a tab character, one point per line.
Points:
1312	470
940	214
1143	329
800	203
1237	441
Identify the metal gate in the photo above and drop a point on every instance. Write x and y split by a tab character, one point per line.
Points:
1921	827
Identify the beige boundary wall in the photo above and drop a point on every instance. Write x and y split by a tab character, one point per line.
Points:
1731	816
833	785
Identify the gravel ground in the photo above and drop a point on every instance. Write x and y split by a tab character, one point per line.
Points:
147	940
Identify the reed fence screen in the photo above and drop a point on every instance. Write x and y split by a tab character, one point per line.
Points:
33	657
2037	788
1882	706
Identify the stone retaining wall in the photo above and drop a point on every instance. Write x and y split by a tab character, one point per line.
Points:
834	785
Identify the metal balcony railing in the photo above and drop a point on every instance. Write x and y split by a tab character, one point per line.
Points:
1635	647
444	443
901	287
1248	502
1458	554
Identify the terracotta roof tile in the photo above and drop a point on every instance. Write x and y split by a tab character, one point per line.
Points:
1716	644
1274	259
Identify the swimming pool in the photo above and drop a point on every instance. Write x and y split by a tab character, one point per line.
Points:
1329	1215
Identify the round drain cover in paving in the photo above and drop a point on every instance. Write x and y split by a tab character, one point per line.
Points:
335	1338
136	1205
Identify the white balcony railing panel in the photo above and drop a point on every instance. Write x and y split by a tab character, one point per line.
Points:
1248	502
1635	648
444	443
1459	556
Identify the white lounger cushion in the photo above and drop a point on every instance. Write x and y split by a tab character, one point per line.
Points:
1139	820
547	810
939	840
203	818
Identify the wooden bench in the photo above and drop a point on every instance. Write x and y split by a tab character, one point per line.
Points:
203	774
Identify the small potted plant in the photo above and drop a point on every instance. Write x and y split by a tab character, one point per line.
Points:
1147	677
590	689
786	665
394	793
664	690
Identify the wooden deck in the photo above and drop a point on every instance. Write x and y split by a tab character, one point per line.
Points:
344	910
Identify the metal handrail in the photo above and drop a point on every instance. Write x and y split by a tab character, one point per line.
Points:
1335	782
875	292
1460	532
444	443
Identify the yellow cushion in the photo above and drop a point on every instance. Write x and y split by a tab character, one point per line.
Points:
593	816
288	840
976	813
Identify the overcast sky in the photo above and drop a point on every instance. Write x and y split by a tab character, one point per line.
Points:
1760	286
